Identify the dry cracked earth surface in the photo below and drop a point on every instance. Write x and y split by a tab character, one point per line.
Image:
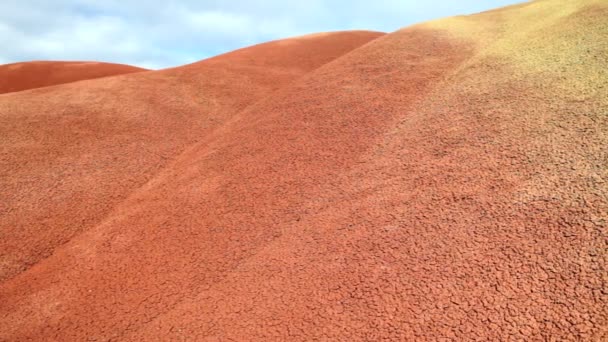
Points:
444	182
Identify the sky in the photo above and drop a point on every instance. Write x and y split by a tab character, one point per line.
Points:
159	34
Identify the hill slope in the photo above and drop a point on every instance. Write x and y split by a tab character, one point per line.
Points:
29	75
444	181
70	153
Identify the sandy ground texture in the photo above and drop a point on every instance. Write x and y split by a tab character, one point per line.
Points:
447	181
28	75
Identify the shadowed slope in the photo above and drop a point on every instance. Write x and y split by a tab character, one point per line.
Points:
70	153
29	75
446	181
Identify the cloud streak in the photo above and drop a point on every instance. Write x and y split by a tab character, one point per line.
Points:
155	35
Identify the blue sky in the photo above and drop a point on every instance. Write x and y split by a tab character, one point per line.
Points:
170	33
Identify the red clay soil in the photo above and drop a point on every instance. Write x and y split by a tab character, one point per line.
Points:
29	75
432	184
72	153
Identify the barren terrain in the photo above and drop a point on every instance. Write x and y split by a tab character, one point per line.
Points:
447	181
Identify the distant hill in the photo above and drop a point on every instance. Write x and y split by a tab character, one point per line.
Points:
28	75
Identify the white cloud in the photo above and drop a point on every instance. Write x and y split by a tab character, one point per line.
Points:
217	21
155	34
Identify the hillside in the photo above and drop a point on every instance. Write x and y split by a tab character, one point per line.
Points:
444	181
71	153
28	75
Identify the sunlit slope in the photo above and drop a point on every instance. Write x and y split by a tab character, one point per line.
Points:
446	181
28	75
479	213
70	153
225	198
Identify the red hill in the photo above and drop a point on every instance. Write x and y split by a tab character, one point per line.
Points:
73	152
442	182
29	75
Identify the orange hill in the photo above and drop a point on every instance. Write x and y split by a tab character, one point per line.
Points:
445	181
76	151
29	75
